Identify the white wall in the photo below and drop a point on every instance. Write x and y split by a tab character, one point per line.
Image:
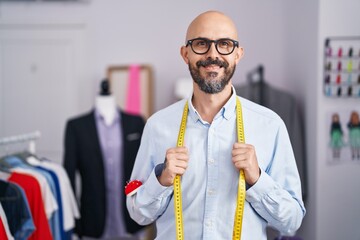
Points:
301	69
338	195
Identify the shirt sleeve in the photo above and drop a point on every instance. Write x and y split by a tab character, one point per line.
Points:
151	199
276	196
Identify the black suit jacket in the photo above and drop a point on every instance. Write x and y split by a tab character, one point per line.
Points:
83	154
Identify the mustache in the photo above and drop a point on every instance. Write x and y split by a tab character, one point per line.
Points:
210	61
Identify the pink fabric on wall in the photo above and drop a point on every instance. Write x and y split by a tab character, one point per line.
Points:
133	98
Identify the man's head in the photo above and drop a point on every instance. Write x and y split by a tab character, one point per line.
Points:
211	50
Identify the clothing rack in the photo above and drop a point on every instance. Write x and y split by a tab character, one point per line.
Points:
28	137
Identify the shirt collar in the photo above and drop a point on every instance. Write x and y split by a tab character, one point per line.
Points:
229	107
227	111
99	117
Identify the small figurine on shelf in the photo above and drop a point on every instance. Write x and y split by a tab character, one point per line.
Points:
349	66
327	79
339	66
354	135
338	79
336	136
328	51
339	91
328	66
349	79
340	52
327	90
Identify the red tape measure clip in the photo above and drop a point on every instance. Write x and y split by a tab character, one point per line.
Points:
132	187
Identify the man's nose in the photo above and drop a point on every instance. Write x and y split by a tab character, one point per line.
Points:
212	53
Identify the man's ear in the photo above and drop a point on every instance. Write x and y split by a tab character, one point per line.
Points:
239	54
184	54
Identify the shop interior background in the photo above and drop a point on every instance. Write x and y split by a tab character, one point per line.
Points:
53	55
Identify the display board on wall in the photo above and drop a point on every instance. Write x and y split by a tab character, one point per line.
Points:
342	67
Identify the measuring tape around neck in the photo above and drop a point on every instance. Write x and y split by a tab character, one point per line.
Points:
241	185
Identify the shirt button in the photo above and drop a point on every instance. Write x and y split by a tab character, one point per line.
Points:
211	161
211	192
208	223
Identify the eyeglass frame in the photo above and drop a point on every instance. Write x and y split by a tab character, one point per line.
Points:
189	42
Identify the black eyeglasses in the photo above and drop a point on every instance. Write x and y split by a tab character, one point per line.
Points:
224	46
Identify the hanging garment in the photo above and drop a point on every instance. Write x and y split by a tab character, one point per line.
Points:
4	228
83	154
70	209
32	190
284	104
46	184
56	228
40	189
27	163
64	218
16	209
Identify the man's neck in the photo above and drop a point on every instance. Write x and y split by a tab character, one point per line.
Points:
208	105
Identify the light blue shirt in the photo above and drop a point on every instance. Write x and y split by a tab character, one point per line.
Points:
209	185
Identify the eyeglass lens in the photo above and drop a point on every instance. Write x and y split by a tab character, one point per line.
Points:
223	46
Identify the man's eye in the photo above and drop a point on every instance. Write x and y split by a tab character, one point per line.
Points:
224	43
201	43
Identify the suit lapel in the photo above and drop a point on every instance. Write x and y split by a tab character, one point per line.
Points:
93	134
125	130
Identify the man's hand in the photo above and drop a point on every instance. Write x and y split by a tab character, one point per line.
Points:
176	162
244	157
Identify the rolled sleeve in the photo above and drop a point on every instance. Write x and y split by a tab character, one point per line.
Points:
150	201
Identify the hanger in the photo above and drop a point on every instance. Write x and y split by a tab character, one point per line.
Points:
28	158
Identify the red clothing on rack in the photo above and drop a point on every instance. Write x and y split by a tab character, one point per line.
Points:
32	191
2	231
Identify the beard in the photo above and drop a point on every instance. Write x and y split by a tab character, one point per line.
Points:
211	83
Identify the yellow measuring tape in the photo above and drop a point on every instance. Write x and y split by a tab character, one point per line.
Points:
241	186
177	183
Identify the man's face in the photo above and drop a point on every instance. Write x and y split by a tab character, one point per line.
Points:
211	71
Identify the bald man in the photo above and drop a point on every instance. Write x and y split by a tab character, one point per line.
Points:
210	161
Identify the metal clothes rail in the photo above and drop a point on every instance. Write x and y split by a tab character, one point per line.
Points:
28	137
